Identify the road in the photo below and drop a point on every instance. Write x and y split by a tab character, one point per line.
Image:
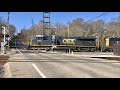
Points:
51	65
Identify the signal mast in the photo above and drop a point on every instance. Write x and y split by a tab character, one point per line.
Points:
46	23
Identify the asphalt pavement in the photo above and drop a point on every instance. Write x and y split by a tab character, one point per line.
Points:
57	65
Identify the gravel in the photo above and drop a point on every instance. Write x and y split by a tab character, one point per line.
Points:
3	60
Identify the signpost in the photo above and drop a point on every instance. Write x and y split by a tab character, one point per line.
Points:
53	40
4	41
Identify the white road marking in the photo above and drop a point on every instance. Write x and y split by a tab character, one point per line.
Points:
19	51
39	71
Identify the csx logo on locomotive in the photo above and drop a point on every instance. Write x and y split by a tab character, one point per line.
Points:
68	41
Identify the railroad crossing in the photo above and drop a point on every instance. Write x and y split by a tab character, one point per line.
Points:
21	62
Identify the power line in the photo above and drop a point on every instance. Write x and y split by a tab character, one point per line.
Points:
98	16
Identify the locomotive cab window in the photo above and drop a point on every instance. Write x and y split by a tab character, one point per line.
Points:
45	38
38	38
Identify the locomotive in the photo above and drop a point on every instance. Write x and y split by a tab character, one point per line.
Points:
63	43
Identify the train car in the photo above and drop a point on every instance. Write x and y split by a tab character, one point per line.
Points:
109	42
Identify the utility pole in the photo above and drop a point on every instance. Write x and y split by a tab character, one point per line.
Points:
32	27
15	42
69	35
8	26
29	38
68	31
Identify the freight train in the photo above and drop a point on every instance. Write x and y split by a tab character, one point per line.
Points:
74	43
63	43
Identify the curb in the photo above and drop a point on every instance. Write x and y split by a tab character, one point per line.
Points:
7	71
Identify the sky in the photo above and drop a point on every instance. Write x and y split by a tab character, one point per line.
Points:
24	19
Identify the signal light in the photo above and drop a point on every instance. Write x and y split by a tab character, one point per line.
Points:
1	35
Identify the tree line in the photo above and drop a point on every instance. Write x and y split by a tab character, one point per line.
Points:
77	28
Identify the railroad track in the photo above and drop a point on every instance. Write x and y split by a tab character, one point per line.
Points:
3	59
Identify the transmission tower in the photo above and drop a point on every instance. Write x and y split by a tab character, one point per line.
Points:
46	23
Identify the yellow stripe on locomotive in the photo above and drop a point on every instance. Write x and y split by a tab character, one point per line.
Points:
68	41
31	43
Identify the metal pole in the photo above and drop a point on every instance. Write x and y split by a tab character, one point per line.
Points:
32	27
29	37
4	35
8	27
15	41
68	36
56	35
68	31
52	46
3	44
117	42
43	27
69	50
